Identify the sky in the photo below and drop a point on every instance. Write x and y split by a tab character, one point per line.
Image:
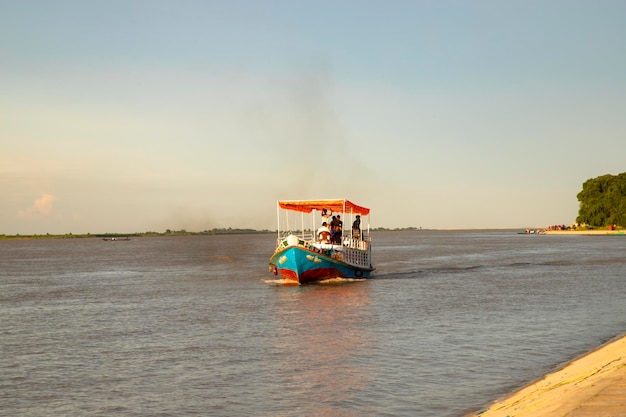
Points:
146	115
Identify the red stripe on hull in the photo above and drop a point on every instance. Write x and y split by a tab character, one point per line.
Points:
312	275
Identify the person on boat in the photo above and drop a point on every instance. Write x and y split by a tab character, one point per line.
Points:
356	227
332	225
326	214
323	233
336	230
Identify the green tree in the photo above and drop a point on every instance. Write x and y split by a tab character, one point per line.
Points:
603	201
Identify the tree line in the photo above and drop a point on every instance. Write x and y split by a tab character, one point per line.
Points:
603	201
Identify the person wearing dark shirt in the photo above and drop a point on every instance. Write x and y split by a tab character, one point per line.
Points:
356	228
338	231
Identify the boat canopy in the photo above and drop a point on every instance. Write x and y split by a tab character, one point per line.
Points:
336	206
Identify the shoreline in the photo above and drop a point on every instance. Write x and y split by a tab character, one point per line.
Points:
593	384
585	232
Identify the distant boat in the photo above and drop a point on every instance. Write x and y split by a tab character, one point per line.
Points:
112	239
306	252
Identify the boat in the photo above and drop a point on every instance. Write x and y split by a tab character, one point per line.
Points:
306	252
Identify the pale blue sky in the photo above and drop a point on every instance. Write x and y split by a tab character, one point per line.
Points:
123	116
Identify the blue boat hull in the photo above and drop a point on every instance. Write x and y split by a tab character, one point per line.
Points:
303	265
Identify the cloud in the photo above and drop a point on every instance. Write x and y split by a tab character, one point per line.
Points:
41	207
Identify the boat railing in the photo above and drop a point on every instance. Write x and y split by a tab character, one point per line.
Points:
307	235
356	257
349	241
354	243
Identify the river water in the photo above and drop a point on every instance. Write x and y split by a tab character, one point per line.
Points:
197	326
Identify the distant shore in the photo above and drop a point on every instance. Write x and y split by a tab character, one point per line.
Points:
229	231
592	385
585	232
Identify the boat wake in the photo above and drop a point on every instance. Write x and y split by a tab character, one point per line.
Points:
281	282
331	281
418	273
340	280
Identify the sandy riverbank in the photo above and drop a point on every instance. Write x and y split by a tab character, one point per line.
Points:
591	386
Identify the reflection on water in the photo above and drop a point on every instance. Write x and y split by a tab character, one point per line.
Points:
325	327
